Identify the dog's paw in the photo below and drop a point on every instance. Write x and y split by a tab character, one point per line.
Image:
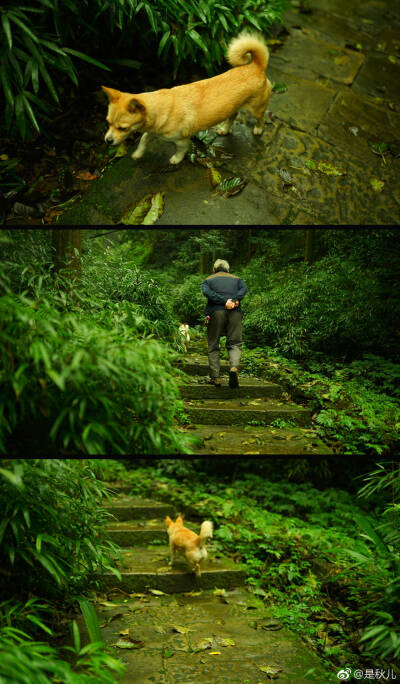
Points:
257	130
137	155
223	130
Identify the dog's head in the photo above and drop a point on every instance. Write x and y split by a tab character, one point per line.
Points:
126	114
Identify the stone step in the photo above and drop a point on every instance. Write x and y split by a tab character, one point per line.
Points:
141	532
204	638
249	387
144	568
242	411
263	441
197	364
125	507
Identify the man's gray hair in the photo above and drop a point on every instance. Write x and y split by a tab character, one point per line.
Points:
221	265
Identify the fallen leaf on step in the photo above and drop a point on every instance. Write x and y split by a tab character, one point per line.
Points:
128	642
226	642
251	453
124	632
203	644
157	592
271	672
215	653
181	630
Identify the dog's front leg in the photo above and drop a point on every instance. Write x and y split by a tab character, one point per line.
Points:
139	152
173	554
182	147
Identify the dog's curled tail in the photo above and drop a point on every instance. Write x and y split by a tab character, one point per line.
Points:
206	531
248	47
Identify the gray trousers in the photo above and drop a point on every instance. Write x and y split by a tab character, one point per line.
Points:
229	323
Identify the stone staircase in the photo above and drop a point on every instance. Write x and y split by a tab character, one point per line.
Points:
140	530
257	418
168	627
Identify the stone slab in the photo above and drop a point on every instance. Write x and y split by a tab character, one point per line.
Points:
368	12
374	124
332	28
168	655
129	533
249	387
332	200
130	508
379	77
263	441
189	197
239	412
145	568
304	104
310	57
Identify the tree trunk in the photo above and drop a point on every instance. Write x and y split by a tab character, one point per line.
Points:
204	255
309	246
67	251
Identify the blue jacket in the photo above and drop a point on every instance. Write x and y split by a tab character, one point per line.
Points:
219	287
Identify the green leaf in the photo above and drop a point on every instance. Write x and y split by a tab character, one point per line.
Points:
7	29
91	621
23	26
86	58
163	42
197	39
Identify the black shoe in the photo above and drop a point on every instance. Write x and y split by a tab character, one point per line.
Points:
233	378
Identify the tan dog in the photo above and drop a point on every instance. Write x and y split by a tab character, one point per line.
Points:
190	544
178	113
184	332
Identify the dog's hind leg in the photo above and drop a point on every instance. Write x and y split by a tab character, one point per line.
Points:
182	147
139	152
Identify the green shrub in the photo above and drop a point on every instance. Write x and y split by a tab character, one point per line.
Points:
334	306
189	301
24	658
52	537
70	385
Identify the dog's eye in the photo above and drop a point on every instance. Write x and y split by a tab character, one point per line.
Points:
122	128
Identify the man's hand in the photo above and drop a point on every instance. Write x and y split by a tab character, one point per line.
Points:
229	304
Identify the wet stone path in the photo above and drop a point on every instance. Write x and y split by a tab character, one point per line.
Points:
329	154
170	627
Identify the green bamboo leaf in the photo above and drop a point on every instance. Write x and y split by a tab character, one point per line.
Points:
30	112
76	635
23	26
86	58
162	42
7	29
6	85
47	79
197	39
91	621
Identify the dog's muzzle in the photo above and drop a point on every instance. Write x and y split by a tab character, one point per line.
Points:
109	139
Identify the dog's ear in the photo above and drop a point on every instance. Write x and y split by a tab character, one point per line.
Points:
179	520
168	521
134	106
112	94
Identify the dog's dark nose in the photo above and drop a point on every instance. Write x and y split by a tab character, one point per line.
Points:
109	141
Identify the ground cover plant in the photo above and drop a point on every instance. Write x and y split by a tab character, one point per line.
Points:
325	558
52	543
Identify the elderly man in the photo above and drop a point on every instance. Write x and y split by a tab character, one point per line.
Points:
224	293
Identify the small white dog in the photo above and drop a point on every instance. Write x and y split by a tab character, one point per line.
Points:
184	331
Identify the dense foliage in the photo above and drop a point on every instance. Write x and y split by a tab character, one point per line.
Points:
52	544
42	41
81	370
326	561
